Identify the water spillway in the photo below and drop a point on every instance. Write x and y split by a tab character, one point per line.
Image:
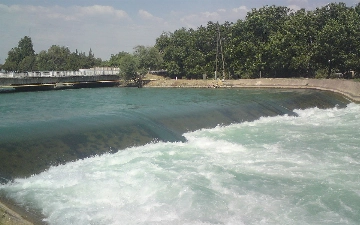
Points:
216	156
39	130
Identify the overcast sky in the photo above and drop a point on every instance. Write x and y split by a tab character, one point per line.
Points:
111	26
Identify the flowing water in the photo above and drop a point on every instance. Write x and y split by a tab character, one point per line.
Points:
188	156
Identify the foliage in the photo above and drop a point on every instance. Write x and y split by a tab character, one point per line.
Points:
23	58
148	58
60	58
115	59
271	41
128	67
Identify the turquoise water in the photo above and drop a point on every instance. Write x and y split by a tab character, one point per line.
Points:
262	157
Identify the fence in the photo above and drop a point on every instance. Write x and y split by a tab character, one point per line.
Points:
98	71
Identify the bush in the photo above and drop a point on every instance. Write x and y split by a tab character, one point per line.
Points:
321	74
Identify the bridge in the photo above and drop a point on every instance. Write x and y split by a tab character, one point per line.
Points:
47	80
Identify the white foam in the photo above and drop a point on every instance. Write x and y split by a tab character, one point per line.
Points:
264	172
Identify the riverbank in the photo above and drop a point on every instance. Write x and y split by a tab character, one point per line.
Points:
348	88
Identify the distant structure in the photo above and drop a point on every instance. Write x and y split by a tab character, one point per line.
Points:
96	71
158	72
50	80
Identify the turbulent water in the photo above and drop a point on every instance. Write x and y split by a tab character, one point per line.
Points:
254	167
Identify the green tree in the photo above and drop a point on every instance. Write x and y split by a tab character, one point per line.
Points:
149	58
26	47
260	25
175	52
73	62
203	53
115	59
27	64
292	46
58	57
12	61
271	41
338	41
22	57
91	60
128	67
42	60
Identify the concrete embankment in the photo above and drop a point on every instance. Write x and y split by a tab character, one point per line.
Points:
348	88
10	217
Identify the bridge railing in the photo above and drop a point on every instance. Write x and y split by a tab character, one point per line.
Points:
83	72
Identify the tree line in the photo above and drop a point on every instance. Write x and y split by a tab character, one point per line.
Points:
140	62
59	58
23	58
272	41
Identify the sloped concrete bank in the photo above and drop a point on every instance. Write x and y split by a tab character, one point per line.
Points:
348	88
10	217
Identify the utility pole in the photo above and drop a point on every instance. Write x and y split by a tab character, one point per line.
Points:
219	42
222	57
217	49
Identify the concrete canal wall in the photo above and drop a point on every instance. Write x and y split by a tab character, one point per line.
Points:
349	88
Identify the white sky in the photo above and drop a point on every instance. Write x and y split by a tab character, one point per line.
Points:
111	26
